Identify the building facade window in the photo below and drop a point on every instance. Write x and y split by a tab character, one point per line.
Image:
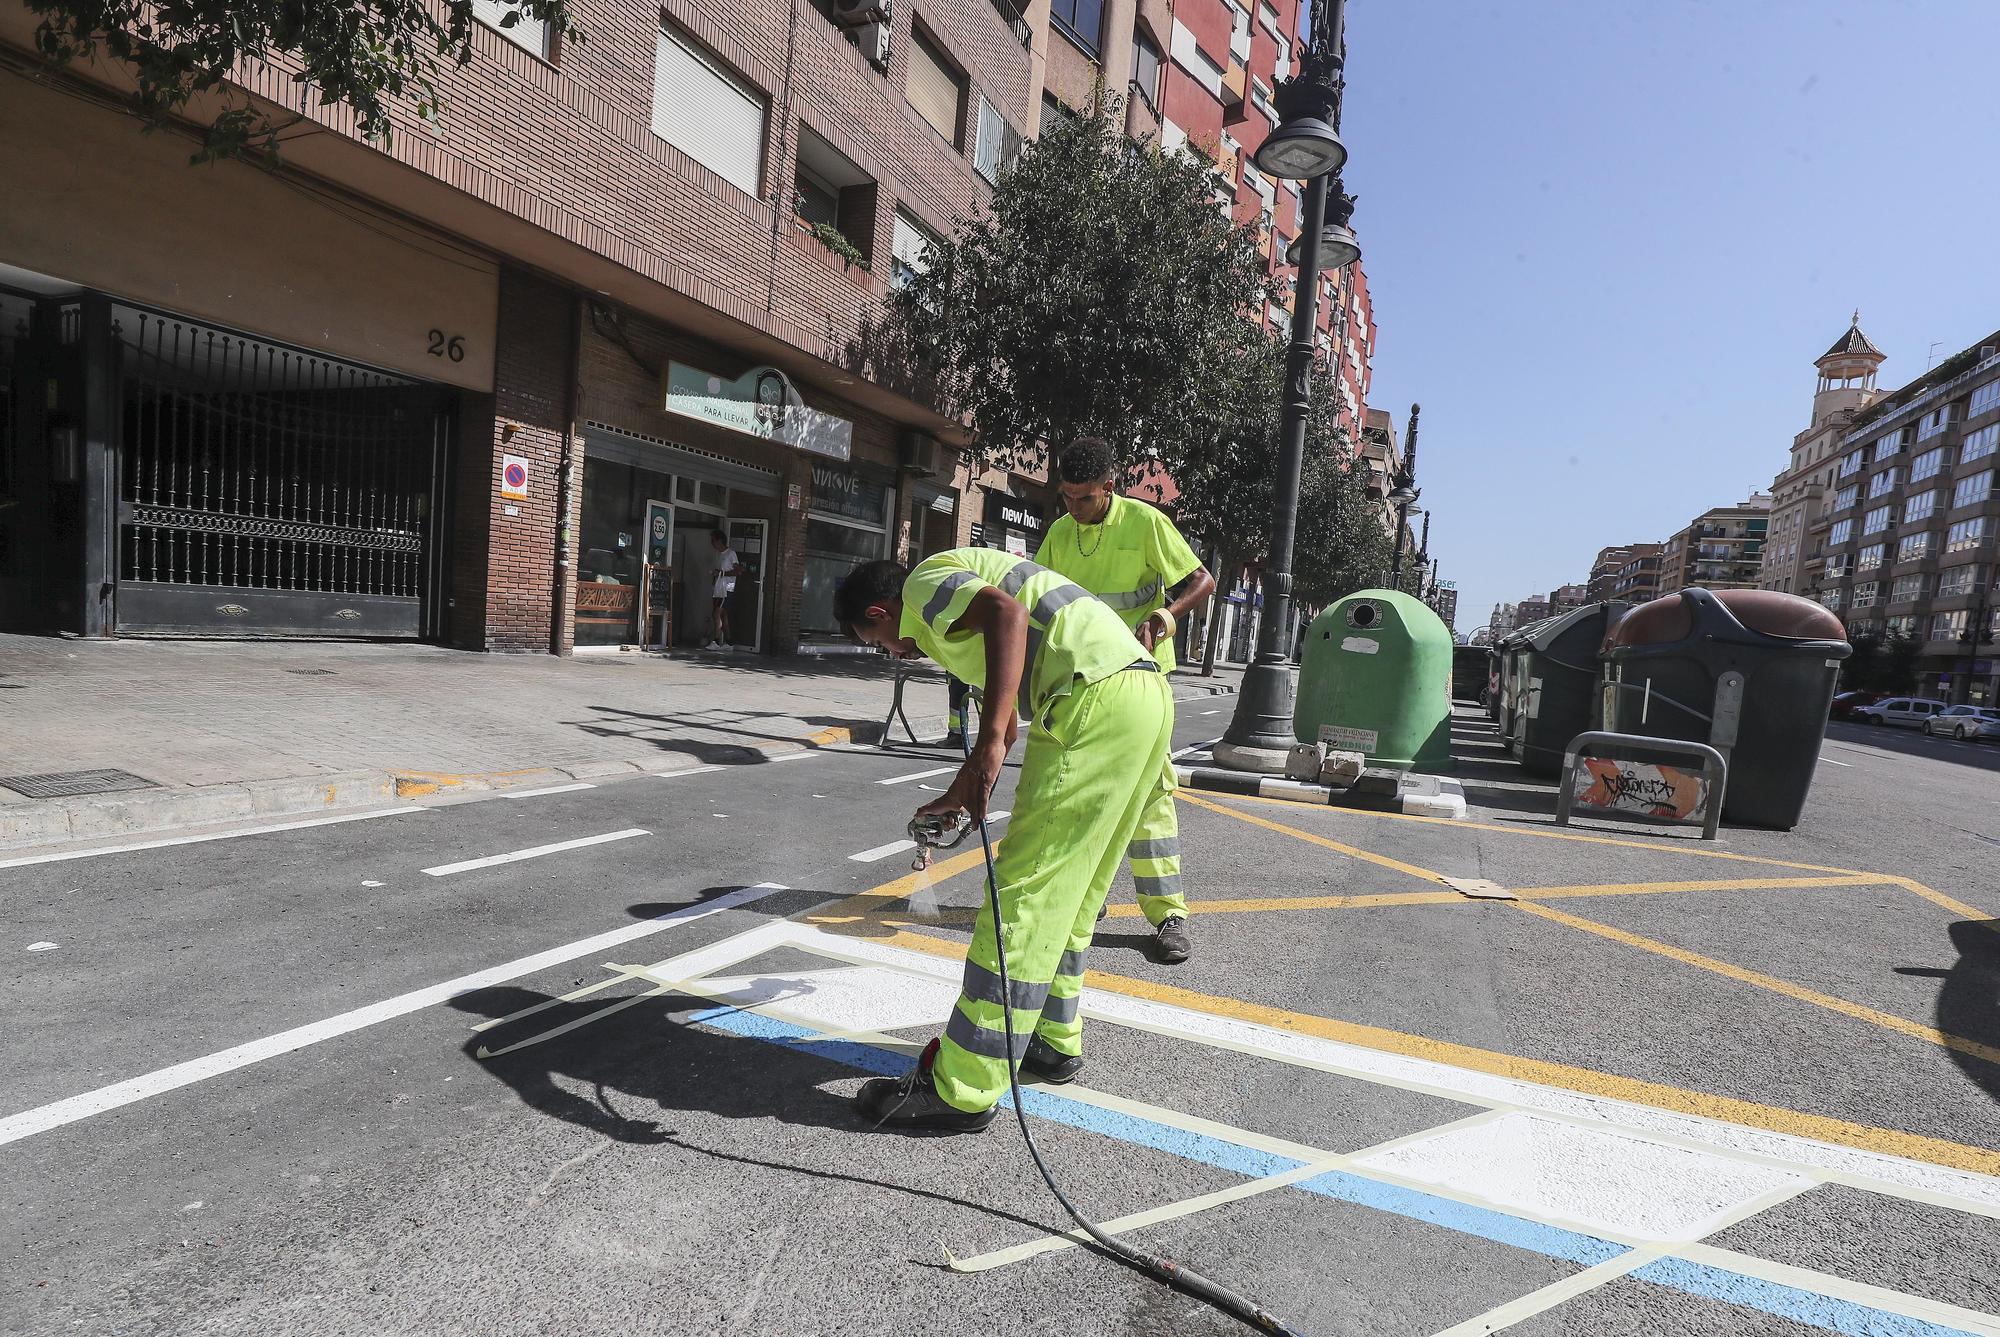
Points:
1905	625
909	249
1984	400
1850	464
935	87
1883	482
1888	445
706	111
1978	445
848	523
1832	598
1146	63
1972	489
1846	497
832	192
1948	626
1876	520
1959	580
1871	556
1934	422
1967	534
1082	21
530	34
1864	595
1927	464
1907	589
1919	507
1914	546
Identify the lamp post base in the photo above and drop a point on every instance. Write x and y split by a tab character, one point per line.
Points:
1260	734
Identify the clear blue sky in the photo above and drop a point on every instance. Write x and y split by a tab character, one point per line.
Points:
1607	239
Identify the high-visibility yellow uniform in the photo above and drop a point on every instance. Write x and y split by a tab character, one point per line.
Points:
1129	560
1100	720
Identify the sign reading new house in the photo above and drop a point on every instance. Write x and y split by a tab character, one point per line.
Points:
762	402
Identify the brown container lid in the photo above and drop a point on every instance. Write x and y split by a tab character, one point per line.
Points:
1776	613
1654	623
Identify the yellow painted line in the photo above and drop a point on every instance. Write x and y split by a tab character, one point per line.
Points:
1659	847
1367	901
857	908
829	737
1351	851
1859	1011
1728	1109
1710	884
1957	907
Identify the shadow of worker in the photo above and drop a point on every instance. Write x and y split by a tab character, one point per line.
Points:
639	1057
1969	1004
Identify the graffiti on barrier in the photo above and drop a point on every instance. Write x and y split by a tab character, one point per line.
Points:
1646	788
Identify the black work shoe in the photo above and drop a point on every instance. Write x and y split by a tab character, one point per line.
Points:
1045	1063
1171	940
911	1103
1103	906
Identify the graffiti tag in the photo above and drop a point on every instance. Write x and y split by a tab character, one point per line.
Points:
1640	787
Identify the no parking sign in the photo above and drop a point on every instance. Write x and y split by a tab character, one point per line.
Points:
513	476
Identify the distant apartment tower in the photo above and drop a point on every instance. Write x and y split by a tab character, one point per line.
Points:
1792	556
1565	598
1530	610
1639	574
1603	582
1909	533
1504	619
1721	549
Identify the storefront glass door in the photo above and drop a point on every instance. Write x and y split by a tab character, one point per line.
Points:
750	539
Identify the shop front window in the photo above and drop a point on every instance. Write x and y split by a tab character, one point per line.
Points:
612	549
847	524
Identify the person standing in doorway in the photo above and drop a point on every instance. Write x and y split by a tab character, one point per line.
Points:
1132	557
728	566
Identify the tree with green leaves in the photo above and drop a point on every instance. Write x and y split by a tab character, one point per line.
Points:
1341	546
365	56
1103	294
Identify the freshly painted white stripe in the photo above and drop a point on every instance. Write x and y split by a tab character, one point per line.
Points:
1840	1288
1211	712
690	770
1831	762
165	841
883	851
54	1115
1876	1171
551	789
918	775
1193	747
793	756
535	852
1551	1295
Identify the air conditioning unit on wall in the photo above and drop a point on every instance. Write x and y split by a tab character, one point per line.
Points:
873	39
920	453
856	13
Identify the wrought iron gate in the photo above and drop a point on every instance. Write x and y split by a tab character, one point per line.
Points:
269	491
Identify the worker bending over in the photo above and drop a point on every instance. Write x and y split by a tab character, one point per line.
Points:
1100	717
1130	555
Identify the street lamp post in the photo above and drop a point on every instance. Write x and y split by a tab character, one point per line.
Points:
1404	497
1305	146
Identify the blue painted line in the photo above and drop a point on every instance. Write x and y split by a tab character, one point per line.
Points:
1801	1306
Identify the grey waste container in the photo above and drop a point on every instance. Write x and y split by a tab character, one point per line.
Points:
1557	663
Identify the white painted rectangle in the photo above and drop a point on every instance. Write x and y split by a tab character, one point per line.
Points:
858	998
918	775
535	852
1597	1178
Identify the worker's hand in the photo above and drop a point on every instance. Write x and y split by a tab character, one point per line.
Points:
1148	631
973	784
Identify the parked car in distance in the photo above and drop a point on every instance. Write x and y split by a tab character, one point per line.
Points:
1905	710
1965	722
1846	703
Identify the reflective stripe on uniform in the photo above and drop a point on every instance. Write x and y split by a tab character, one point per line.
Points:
1070	965
941	598
1131	599
1061	1010
1168	848
1165	884
984	985
973	1038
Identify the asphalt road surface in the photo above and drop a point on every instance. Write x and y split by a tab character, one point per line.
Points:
579	1060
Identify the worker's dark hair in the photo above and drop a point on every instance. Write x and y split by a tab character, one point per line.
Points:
1088	459
868	584
718	534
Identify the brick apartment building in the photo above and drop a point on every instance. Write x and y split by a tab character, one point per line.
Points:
1792	556
1908	534
473	385
1721	549
1639	573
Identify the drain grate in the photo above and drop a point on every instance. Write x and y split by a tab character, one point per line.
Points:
312	673
68	784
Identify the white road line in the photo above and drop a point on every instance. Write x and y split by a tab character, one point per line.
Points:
1831	762
15	1127
1553	1294
794	756
690	770
1194	747
536	852
550	789
166	841
918	775
1211	712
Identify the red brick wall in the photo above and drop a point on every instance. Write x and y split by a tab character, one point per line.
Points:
504	566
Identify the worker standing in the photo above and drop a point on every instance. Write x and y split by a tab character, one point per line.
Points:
1100	722
1130	556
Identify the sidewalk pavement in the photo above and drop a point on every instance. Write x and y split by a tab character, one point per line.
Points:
227	730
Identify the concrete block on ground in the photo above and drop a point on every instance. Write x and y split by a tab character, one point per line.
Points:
318	793
1342	769
105	815
1306	762
32	823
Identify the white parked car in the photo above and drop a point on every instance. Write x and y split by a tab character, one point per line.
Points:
1965	722
1913	711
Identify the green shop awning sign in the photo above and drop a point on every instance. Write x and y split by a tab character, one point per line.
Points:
762	402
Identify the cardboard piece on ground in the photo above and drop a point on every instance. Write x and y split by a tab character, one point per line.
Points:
1480	888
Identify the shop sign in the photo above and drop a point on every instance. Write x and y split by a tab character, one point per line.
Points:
845	493
1012	513
763	403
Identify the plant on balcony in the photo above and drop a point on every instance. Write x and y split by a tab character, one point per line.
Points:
366	59
830	237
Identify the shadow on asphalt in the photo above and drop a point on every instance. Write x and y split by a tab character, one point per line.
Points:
1984	756
1969	1004
639	726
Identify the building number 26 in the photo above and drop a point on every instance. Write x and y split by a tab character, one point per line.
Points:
452	347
